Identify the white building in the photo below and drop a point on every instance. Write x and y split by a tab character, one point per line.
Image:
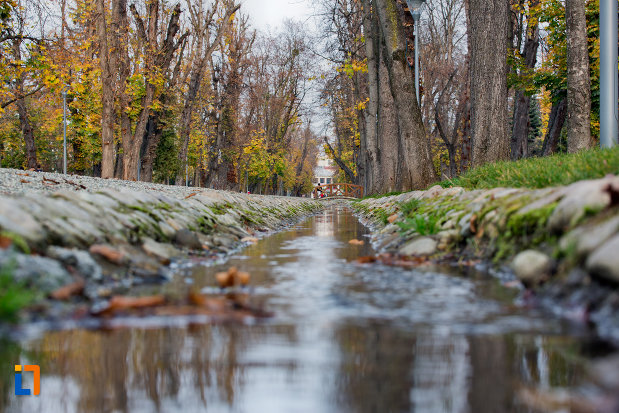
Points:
324	171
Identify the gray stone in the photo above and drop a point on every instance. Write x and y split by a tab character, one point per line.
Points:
14	219
163	252
420	246
531	267
43	274
588	238
580	197
604	261
188	239
82	261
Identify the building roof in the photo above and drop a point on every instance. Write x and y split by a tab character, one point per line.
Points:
324	171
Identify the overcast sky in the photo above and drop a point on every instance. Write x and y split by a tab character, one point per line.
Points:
269	14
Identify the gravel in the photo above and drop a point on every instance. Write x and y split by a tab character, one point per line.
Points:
18	182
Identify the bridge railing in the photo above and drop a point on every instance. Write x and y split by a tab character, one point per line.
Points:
338	191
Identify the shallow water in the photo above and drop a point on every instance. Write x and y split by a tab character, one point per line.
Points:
345	337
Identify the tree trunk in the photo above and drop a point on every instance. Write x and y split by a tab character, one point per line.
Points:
22	110
107	96
578	84
27	132
369	148
417	171
489	21
555	125
520	131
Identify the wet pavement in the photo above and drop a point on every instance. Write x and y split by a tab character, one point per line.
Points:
346	337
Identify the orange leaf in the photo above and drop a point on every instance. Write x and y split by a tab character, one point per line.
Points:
64	293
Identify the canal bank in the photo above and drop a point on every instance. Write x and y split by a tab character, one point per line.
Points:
560	242
346	336
101	238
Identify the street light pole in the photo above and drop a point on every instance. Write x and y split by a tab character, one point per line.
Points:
414	6
608	73
64	127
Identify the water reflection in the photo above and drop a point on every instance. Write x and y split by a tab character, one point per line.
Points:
346	338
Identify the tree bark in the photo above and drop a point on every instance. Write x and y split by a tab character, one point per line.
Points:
369	148
107	95
414	156
489	21
555	125
578	83
522	101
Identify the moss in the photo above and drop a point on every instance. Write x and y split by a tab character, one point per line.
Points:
219	209
423	225
18	241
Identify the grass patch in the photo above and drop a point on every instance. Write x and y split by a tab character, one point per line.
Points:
13	295
559	169
423	225
375	196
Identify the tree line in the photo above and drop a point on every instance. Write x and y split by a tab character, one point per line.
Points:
158	91
187	91
500	80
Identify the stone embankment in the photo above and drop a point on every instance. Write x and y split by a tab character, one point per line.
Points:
116	234
562	243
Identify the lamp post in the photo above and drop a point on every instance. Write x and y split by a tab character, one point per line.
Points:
608	73
64	127
414	6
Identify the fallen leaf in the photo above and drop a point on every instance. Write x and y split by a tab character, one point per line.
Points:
75	184
472	223
26	174
211	303
366	260
112	255
5	242
392	218
356	242
243	277
51	181
24	181
190	195
64	293
118	303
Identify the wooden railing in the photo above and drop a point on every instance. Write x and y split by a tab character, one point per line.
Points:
338	191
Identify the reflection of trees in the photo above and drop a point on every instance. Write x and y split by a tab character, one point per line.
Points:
9	354
115	369
374	371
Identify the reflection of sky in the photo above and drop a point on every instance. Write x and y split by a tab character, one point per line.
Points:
324	225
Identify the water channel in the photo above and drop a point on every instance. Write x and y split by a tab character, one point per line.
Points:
346	337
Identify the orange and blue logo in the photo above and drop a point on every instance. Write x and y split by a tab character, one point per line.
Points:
19	391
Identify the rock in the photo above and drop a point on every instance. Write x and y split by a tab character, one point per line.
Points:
82	261
43	274
14	219
188	239
587	238
164	252
420	246
580	197
604	261
531	267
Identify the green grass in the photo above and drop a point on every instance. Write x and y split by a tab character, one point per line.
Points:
380	195
13	295
420	224
560	169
